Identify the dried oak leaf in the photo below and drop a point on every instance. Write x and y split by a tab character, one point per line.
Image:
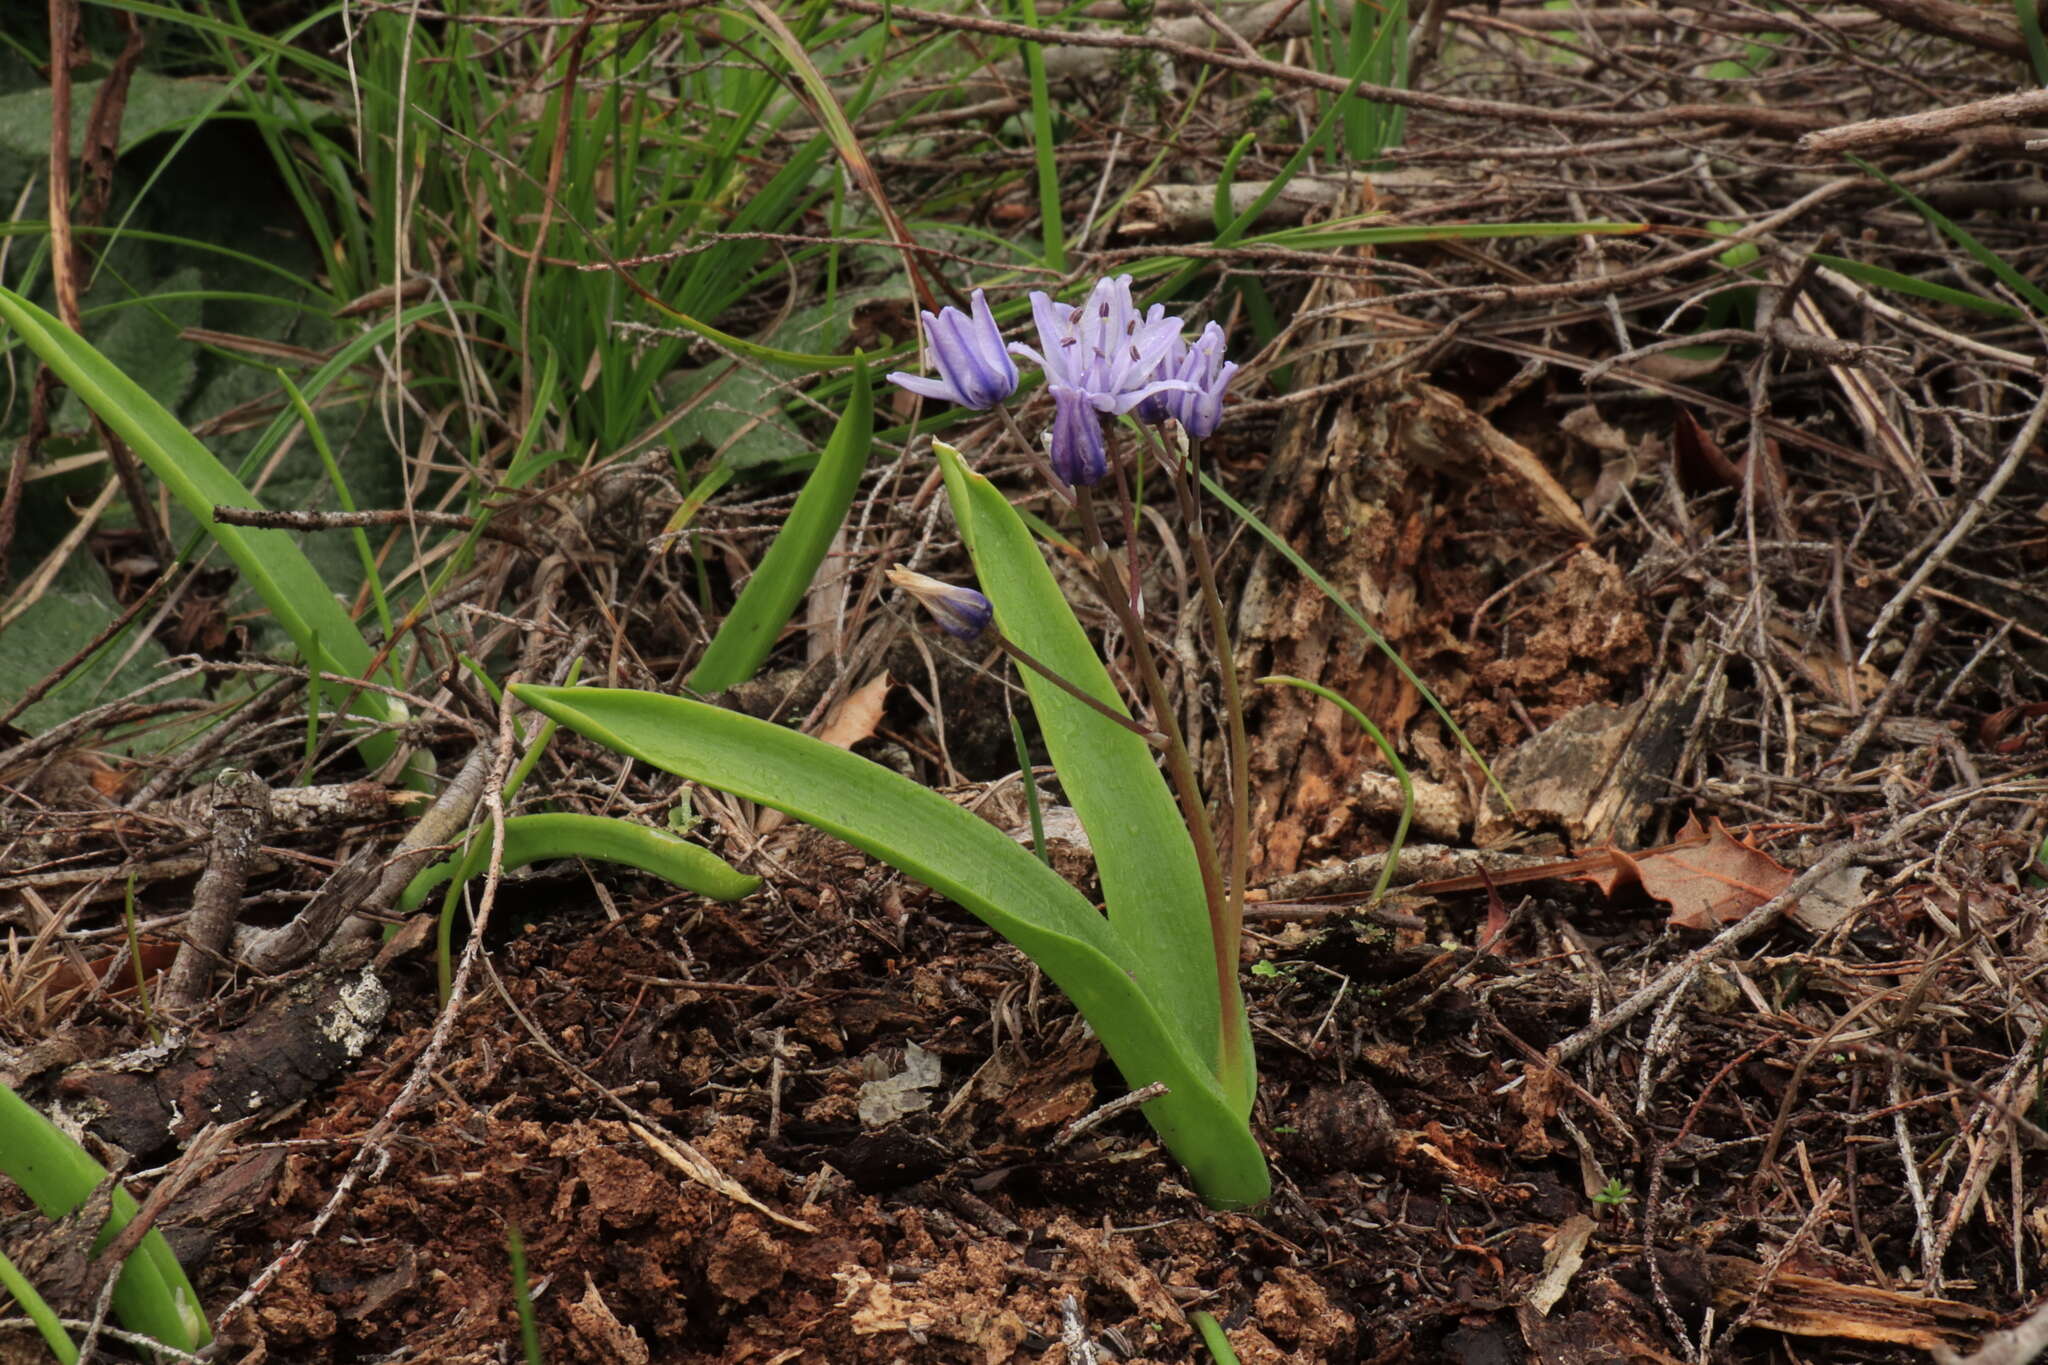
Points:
1707	875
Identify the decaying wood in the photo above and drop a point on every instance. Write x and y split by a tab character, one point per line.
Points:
370	882
1809	1306
241	814
289	1048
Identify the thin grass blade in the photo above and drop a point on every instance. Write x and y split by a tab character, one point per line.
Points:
1961	236
1365	628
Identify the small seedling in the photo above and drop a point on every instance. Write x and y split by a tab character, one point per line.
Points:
1611	1196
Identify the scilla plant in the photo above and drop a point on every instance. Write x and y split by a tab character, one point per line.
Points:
1156	971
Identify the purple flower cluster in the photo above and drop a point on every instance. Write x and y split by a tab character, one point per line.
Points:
1102	357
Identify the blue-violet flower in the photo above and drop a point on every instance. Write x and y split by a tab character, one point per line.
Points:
960	611
1198	405
975	371
1104	349
1079	458
1155	409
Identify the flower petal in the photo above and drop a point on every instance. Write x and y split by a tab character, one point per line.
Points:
927	388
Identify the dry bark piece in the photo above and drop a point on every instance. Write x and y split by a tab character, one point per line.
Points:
1190	210
285	1051
1563	1254
1440	432
1596	771
1810	1306
601	1331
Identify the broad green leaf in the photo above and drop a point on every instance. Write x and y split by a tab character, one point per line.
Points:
143	344
63	621
785	572
1150	879
152	1296
960	856
738	414
270	561
155	104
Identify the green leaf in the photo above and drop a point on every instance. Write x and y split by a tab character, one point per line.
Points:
962	857
541	838
270	561
1881	278
143	344
737	413
155	104
152	1296
61	622
1962	237
1150	879
785	572
16	1286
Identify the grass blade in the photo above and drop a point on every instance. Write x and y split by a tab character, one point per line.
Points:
522	1297
2029	14
958	855
1955	232
1879	277
1379	739
1051	224
271	561
785	573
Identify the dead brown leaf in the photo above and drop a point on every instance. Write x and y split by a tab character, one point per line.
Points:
1707	875
857	714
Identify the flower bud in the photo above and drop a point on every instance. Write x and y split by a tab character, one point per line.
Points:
959	611
1079	458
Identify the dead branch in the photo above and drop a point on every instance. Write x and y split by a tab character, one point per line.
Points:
241	813
1930	123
